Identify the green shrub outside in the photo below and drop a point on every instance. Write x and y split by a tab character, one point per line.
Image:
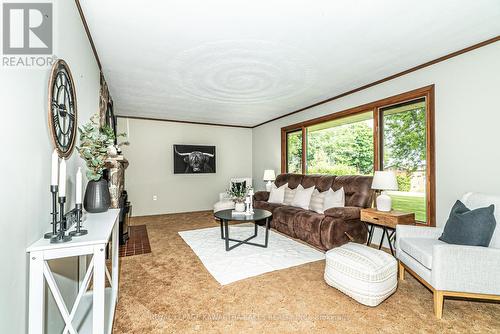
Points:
334	170
404	182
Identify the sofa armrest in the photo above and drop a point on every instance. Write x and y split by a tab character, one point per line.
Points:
466	268
224	196
415	231
341	228
346	213
261	196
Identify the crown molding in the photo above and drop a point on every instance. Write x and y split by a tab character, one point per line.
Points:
89	36
186	122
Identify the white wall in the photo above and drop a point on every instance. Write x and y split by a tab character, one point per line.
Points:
25	162
151	165
467	91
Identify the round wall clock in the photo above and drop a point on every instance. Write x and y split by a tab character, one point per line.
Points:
62	109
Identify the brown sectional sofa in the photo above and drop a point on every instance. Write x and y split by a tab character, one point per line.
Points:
328	230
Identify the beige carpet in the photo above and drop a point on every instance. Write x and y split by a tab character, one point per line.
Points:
170	291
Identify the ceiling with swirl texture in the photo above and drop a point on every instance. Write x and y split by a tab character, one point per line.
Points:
246	62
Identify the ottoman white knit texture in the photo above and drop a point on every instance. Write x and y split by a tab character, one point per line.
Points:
367	275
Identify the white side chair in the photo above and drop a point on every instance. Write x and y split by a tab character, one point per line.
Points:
226	203
451	270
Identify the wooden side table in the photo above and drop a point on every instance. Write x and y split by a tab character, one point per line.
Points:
387	221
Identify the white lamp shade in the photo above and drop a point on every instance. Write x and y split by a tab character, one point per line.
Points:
269	175
385	180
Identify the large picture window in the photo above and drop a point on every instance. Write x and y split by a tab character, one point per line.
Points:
404	151
341	147
294	151
395	134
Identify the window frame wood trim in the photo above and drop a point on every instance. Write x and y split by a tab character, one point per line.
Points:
284	152
427	92
304	150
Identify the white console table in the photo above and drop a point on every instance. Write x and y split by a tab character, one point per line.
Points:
93	310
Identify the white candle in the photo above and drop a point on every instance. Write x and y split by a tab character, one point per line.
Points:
62	178
79	186
55	165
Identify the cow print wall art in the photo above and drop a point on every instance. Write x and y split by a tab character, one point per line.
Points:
194	159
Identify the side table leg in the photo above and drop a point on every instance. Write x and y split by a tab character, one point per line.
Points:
36	294
267	231
115	243
370	234
226	230
389	240
384	231
98	289
221	229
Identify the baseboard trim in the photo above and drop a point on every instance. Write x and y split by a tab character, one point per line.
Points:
171	213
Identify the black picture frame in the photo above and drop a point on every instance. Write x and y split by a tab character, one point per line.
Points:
194	159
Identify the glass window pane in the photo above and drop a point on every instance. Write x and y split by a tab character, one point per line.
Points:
404	152
342	146
294	152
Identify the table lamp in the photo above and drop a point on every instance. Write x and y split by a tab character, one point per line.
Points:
269	177
384	180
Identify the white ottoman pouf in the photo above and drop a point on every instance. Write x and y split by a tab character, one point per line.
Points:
367	275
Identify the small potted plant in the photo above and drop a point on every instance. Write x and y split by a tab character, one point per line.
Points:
238	192
94	144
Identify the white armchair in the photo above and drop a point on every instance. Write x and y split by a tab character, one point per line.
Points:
226	203
451	270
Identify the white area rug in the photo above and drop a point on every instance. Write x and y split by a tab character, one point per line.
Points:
246	260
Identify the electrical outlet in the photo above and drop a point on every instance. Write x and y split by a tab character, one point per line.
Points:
155	198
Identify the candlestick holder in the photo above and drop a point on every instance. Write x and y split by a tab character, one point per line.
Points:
250	201
53	190
79	231
61	233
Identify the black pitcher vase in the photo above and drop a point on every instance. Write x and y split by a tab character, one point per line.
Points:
97	198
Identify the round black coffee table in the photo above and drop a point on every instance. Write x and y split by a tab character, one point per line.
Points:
225	216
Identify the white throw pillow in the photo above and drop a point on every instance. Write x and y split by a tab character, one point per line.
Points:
302	197
277	195
318	201
289	195
334	199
